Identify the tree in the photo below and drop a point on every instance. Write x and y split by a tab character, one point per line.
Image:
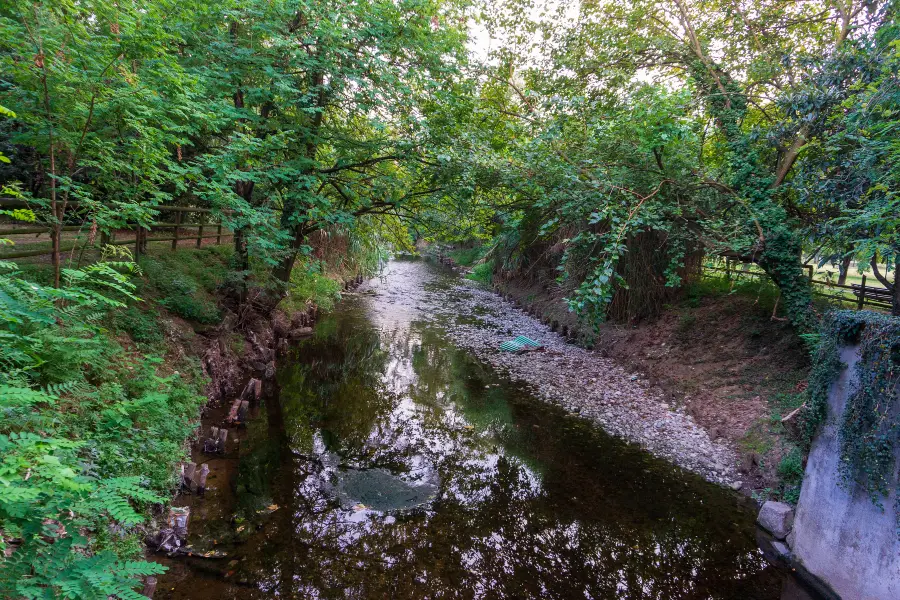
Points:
324	111
101	101
735	61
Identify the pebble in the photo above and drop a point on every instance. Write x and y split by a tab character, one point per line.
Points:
580	381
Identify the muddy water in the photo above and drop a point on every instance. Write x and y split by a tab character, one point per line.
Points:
396	466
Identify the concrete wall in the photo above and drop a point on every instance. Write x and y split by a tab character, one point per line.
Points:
840	536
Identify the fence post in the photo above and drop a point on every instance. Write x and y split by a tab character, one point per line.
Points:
177	223
810	269
862	294
200	230
137	243
219	234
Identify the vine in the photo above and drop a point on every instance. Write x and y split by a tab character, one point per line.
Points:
869	427
770	239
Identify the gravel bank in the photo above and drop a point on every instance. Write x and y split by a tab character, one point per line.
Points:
581	381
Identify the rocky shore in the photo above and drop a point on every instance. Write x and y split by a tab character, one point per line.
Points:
582	381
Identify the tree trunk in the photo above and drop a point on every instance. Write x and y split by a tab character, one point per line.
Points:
282	271
781	260
844	269
895	302
244	189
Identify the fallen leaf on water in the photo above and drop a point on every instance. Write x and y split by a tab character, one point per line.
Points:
272	507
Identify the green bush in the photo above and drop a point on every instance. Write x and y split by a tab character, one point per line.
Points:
185	281
790	470
482	272
309	284
89	435
467	257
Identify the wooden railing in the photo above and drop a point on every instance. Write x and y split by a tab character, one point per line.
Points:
862	295
141	238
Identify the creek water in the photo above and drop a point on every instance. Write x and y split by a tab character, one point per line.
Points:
394	465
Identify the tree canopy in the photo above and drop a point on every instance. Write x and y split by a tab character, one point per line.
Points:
759	130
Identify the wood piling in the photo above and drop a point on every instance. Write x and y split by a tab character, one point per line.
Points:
201	479
187	475
149	587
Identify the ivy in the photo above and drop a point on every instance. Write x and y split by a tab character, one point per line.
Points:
869	427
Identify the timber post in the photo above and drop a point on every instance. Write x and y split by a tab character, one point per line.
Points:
201	479
862	294
149	587
177	223
200	230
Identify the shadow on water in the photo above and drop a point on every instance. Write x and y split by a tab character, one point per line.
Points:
396	466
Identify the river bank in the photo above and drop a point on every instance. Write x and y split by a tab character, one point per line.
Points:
395	463
622	402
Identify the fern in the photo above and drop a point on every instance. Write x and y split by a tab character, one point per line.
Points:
63	476
17	397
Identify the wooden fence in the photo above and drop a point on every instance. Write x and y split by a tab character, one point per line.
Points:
862	295
177	224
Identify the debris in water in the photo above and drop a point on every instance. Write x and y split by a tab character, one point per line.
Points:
520	344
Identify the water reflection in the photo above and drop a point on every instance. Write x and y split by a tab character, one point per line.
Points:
400	468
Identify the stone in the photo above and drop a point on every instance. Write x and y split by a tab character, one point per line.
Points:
777	518
782	550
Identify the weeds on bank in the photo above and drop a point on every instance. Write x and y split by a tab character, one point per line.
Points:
89	431
466	257
311	285
185	281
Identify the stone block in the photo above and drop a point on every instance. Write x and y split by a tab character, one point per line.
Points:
777	518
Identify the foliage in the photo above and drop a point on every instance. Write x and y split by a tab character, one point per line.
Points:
88	436
142	326
482	272
310	285
185	281
790	470
467	257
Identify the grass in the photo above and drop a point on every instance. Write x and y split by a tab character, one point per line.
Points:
310	285
483	272
466	257
755	275
185	281
141	325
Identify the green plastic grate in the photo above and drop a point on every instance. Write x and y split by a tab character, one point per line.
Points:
520	343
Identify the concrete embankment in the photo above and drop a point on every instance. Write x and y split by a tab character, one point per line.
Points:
839	534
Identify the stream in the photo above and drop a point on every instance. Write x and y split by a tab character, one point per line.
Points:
396	465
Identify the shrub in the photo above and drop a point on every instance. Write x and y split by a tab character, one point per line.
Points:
184	281
309	284
88	435
482	272
790	469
